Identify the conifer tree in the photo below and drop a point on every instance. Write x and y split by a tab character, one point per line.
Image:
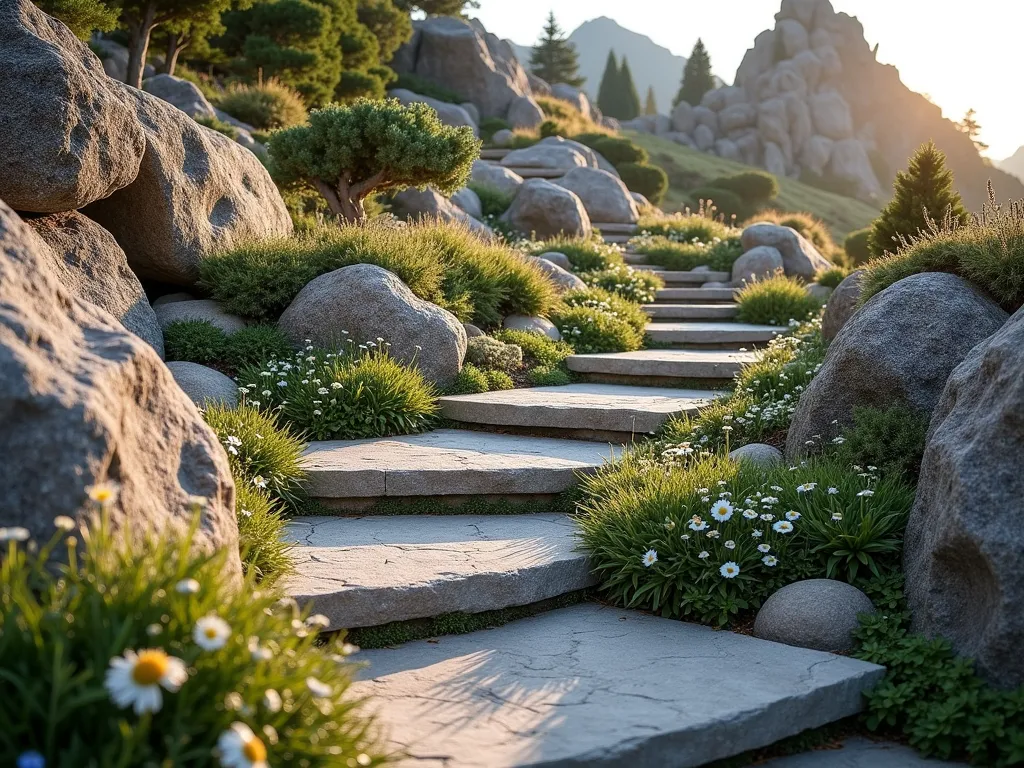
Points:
651	104
697	77
608	93
924	191
82	16
630	98
554	58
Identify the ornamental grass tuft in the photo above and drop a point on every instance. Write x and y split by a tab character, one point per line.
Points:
633	284
776	300
589	329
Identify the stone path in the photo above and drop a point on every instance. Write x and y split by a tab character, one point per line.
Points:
717	366
711	333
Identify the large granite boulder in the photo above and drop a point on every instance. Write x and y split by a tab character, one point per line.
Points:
197	192
547	210
183	94
469	202
799	256
524	112
204	385
899	348
496	177
449	114
556	156
563	279
963	544
83	402
415	204
364	302
603	195
841	305
760	262
90	264
67	135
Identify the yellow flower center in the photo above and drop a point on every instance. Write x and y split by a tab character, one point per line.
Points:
150	667
254	750
210	633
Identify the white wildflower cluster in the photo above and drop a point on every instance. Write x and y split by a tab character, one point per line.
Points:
625	281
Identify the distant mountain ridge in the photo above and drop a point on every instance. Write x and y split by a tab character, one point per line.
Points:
1014	164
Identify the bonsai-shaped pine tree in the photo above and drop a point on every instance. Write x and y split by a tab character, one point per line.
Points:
923	192
346	152
554	58
608	93
651	104
697	77
630	98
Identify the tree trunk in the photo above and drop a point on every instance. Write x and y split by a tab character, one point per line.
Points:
138	45
341	205
176	43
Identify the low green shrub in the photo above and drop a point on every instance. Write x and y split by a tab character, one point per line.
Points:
261	452
589	329
256	343
470	381
718	254
266	107
425	87
344	395
493	201
538	349
218	125
721	201
633	284
610	303
890	439
618	150
137	651
491	125
856	247
498	380
685	228
776	300
489	353
546	376
649	180
585	254
194	341
831	278
752	187
261	534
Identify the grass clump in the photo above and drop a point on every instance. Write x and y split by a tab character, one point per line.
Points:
585	255
685	228
831	278
493	201
609	303
266	107
261	534
71	631
717	254
633	284
218	125
538	349
857	248
589	329
491	354
777	300
547	376
194	341
345	395
256	343
891	440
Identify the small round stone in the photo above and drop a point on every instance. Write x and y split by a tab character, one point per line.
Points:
816	613
758	454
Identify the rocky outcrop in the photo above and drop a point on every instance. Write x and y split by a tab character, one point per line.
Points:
364	302
196	192
899	348
547	210
962	550
183	94
90	264
414	204
67	135
604	196
449	114
799	256
563	279
552	156
841	305
85	402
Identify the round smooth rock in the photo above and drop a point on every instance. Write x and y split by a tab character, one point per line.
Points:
758	454
819	292
558	259
816	613
204	385
503	138
532	324
472	331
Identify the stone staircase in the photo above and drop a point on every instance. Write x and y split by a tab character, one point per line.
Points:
584	685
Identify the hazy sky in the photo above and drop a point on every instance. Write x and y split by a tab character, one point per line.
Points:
962	53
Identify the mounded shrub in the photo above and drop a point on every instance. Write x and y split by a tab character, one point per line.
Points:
584	254
831	278
489	353
491	125
857	248
538	349
589	330
752	186
544	376
633	284
610	303
649	180
618	150
470	381
266	107
256	343
890	440
777	300
722	202
498	381
194	341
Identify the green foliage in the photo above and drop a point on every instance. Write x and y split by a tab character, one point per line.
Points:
82	17
347	152
491	125
493	201
425	87
591	329
498	380
262	532
489	353
697	77
256	343
265	107
831	278
935	700
717	254
437	7
636	285
609	96
554	58
538	349
721	201
194	341
649	180
358	392
545	376
443	263
685	228
650	103
470	381
754	187
618	150
65	626
609	303
922	193
220	126
857	248
262	454
776	300
891	440
585	254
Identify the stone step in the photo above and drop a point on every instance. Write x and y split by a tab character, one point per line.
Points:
538	173
636	258
611	228
367	571
494	154
447	462
616	239
604	412
698	295
664	363
686	277
690	311
709	333
595	686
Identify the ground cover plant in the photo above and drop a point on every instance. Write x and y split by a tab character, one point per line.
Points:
636	285
543	357
199	341
142	654
775	300
717	254
585	254
831	278
610	303
590	329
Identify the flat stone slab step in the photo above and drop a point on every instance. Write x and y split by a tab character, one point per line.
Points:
636	258
367	571
713	333
448	462
616	239
679	363
690	277
698	295
690	311
595	407
596	686
611	228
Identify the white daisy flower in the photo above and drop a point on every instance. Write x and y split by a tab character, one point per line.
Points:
730	544
650	558
704	555
713	534
272	700
756	534
866	492
135	679
792	515
783	526
750	514
721	510
763	548
211	633
104	493
806	487
767	517
670	525
696	524
259	481
685	537
729	570
833	491
259	652
318	689
187	587
770	561
837	516
239	747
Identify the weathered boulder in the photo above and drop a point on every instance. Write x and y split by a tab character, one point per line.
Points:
414	204
368	303
171	298
68	137
547	210
962	549
683	119
703	138
841	305
449	114
472	331
758	454
851	163
183	94
538	86
563	279
496	177
831	115
524	112
471	110
204	385
799	256
820	293
594	159
90	264
84	402
759	262
503	138
197	309
532	325
603	195
815	613
196	192
816	153
557	156
469	201
899	348
573	95
557	258
736	117
794	36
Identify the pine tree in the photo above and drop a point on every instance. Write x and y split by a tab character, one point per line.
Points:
924	191
697	77
972	128
630	98
651	104
82	16
608	93
554	58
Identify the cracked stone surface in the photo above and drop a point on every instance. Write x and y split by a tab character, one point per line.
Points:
860	753
449	462
684	363
365	571
713	333
591	685
607	407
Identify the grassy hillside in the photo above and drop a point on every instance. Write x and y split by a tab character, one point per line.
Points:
689	169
